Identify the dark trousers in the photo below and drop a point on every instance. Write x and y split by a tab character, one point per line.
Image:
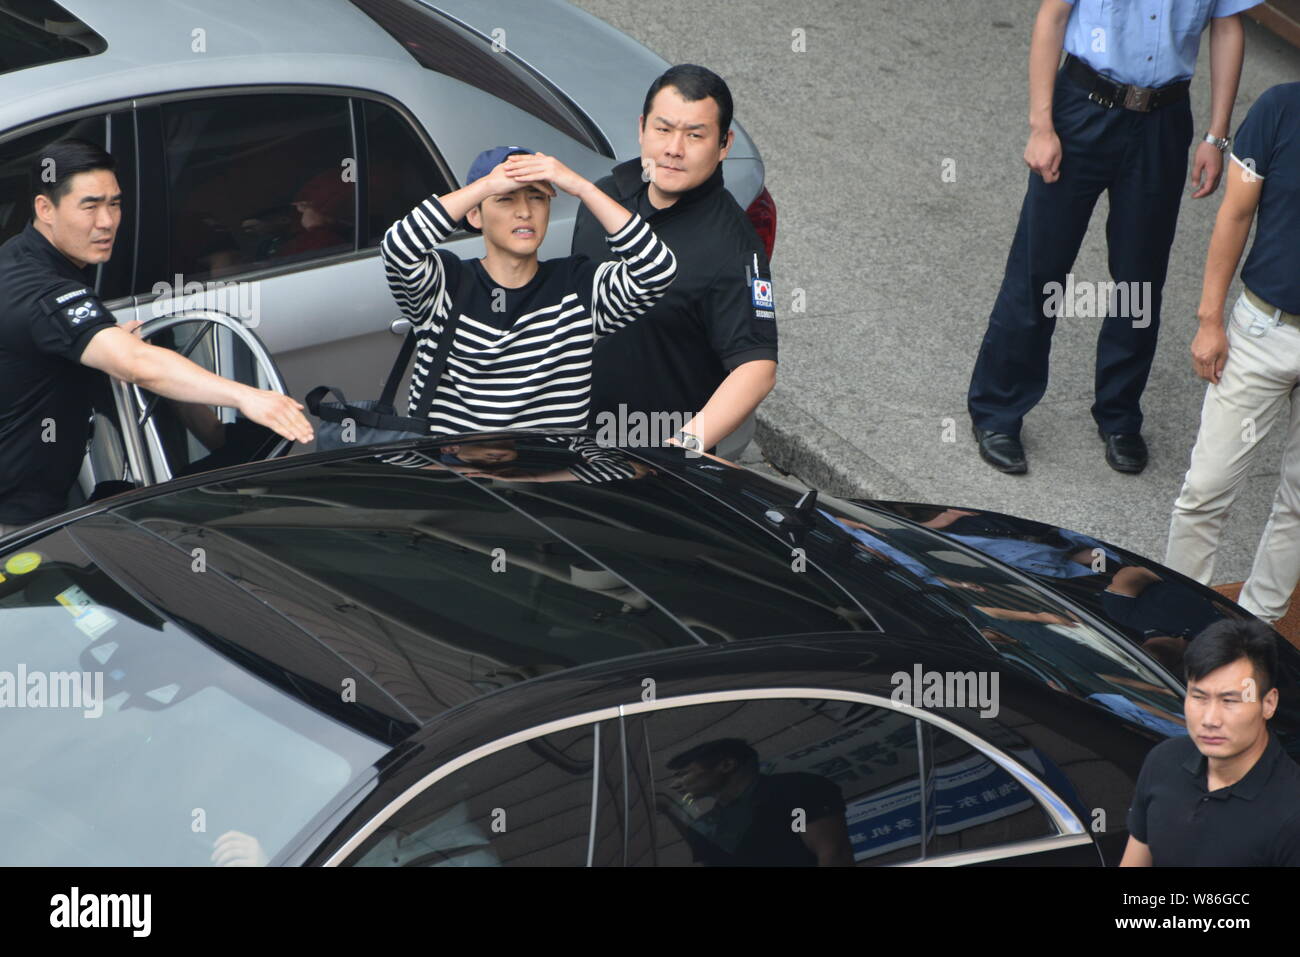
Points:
1141	160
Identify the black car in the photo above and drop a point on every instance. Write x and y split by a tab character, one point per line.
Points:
529	648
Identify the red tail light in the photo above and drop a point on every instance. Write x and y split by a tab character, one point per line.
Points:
762	213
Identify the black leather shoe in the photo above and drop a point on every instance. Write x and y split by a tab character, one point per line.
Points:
1003	452
1125	451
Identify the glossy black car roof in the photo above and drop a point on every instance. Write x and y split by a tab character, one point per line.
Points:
697	551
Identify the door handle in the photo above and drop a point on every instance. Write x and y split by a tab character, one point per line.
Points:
399	326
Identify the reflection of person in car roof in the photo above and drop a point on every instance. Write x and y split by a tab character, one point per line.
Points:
499	459
755	818
480	453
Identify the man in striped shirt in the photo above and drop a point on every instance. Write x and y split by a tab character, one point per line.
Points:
524	331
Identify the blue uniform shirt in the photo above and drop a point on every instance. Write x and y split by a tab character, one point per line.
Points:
1269	143
1148	43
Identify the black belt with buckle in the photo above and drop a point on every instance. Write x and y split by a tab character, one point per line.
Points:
1110	94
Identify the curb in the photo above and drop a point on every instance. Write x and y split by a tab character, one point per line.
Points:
795	442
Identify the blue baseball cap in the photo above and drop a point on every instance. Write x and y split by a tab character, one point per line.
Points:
485	163
489	160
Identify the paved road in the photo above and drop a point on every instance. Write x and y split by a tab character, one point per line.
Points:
900	267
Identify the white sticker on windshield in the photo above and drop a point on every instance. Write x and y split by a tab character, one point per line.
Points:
92	620
95	622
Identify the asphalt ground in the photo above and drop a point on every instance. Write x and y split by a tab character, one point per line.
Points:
899	264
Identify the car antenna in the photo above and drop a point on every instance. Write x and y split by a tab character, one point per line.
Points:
797	519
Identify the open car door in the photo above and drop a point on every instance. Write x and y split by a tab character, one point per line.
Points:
160	439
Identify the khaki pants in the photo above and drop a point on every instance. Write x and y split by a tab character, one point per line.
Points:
1258	384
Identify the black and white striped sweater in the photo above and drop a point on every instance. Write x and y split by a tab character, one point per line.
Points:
521	357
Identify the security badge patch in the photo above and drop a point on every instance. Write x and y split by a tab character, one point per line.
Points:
77	307
761	293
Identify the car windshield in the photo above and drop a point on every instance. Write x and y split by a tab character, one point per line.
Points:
128	741
36	32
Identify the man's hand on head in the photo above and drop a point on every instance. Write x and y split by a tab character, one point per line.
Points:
545	170
501	180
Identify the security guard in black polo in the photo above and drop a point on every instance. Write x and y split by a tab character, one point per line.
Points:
1225	794
707	349
54	332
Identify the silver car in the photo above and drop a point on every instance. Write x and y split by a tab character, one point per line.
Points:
264	147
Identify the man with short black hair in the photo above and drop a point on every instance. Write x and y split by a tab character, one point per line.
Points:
707	350
1226	795
54	331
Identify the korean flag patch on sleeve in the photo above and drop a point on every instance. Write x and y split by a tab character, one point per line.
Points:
761	294
78	308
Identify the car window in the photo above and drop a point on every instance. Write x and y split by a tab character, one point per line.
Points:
128	741
527	805
35	32
782	782
256	181
400	172
973	802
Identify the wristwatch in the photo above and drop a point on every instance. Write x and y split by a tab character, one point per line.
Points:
690	443
1221	144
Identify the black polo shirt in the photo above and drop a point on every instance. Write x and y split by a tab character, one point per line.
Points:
1253	823
716	315
48	314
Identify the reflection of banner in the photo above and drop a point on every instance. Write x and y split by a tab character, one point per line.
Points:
968	792
869	744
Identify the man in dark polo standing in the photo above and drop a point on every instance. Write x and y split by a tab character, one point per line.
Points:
55	332
1115	117
706	353
1226	794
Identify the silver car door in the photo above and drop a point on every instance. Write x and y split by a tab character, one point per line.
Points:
163	438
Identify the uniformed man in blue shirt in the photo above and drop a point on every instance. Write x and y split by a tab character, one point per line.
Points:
1115	117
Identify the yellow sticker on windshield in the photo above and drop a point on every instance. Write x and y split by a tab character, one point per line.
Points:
23	562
